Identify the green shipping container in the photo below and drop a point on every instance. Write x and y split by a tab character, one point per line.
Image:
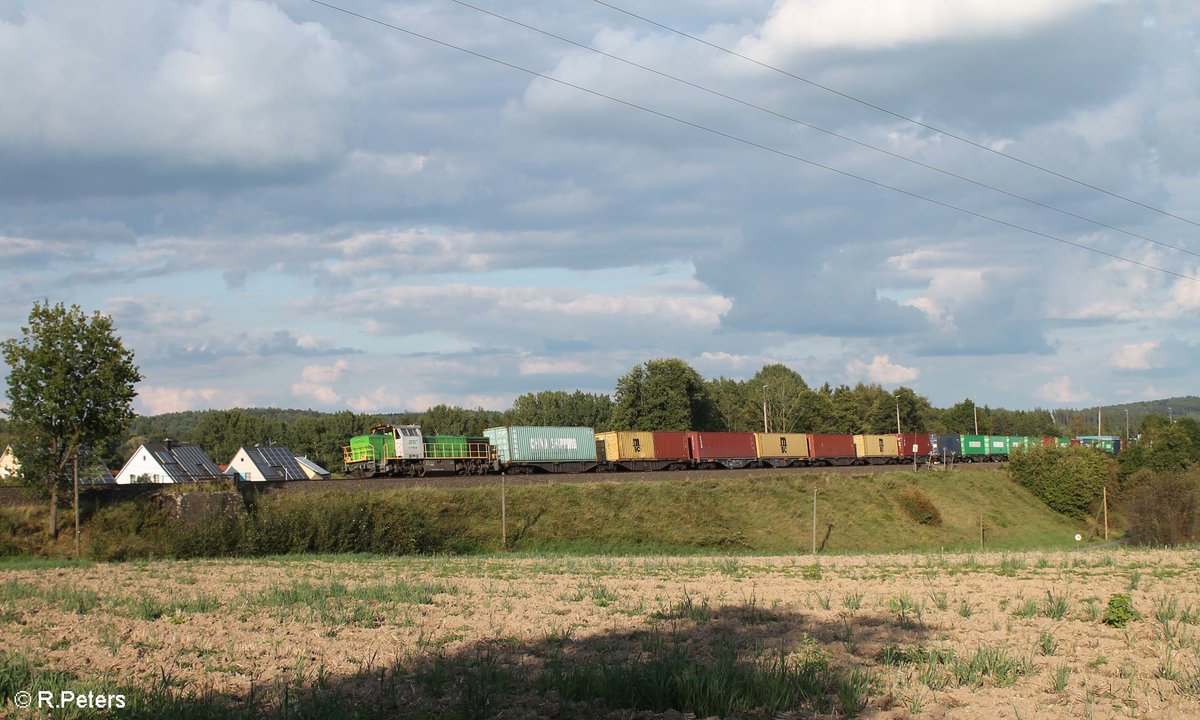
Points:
998	444
543	444
975	445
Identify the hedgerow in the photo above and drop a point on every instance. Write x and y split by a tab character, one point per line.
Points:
1069	480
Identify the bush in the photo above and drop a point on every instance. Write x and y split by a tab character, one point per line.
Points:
1163	508
920	508
1069	480
1120	611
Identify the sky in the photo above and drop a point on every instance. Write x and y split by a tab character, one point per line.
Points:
282	204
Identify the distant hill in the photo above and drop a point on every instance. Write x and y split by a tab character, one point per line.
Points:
1113	418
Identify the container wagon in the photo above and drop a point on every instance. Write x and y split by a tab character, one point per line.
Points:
918	444
543	449
722	449
781	449
831	450
876	449
635	451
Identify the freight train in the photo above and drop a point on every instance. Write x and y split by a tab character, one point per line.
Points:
402	451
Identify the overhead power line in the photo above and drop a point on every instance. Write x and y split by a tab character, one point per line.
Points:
895	114
831	133
751	143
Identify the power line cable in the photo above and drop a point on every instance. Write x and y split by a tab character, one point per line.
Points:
895	114
751	143
811	126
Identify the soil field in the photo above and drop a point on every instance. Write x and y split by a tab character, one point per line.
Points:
887	636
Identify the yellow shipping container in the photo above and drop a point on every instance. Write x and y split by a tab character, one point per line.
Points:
781	445
624	445
867	446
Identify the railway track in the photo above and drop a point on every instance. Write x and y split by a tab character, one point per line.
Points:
454	481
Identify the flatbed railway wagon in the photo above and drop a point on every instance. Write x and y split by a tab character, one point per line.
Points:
877	449
733	450
631	450
831	450
402	451
523	450
919	444
781	449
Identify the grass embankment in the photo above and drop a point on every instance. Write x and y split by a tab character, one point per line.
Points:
771	513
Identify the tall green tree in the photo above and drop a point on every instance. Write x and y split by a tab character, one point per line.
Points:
666	394
70	390
560	408
784	392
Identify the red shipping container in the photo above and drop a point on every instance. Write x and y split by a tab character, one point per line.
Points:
670	446
721	445
905	442
822	447
1049	442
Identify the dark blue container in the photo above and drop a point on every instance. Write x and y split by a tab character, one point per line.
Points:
949	446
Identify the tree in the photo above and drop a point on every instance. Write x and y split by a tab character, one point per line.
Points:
663	395
560	408
785	392
70	389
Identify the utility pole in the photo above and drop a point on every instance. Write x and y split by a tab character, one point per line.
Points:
814	538
1126	426
765	408
1099	416
75	462
976	409
897	415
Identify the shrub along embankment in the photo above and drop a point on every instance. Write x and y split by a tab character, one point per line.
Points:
771	513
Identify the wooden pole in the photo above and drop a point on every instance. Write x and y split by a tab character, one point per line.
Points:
76	473
1105	513
814	523
981	526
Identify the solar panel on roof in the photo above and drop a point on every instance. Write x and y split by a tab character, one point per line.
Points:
276	462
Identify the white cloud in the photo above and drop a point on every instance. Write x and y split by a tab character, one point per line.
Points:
324	373
807	24
1136	356
317	382
882	370
230	83
547	366
154	400
1063	390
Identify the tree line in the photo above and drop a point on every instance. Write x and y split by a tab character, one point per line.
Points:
662	394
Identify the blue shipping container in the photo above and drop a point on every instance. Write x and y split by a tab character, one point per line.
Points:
951	445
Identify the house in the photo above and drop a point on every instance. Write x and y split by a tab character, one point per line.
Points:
269	462
168	462
311	469
8	464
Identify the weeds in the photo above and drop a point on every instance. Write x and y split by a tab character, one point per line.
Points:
1055	606
1047	642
